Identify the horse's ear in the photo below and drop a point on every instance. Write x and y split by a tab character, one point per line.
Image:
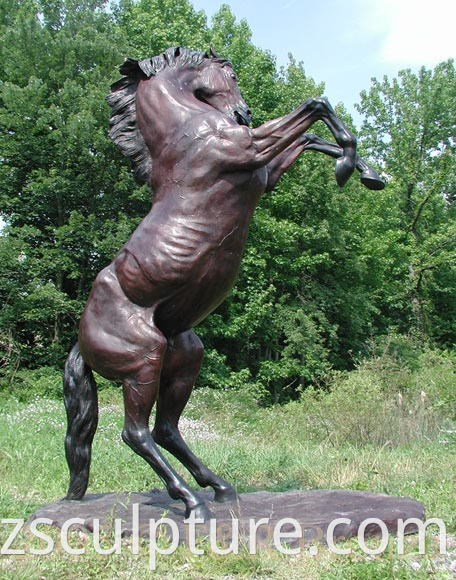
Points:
137	68
130	67
214	54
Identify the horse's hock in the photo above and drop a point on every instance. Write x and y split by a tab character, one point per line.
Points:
180	119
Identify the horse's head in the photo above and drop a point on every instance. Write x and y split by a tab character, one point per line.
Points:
188	75
215	83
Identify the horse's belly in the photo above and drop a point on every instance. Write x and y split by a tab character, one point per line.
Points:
180	259
182	289
193	302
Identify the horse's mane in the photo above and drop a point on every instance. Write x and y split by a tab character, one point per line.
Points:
122	98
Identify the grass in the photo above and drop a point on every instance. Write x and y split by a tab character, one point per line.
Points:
358	434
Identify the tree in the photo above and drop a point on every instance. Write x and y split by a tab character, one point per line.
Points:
410	129
300	302
62	184
324	268
67	196
151	26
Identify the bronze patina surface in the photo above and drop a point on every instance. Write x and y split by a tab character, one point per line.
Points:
181	120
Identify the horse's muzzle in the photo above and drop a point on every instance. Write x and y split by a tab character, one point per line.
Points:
243	116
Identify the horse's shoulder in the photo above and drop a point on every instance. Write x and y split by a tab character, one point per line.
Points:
213	126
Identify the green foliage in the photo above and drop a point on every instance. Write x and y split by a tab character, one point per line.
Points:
151	26
325	268
436	377
26	384
410	130
63	189
332	280
398	394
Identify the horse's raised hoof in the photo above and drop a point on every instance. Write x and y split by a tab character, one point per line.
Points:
344	169
225	493
199	512
372	180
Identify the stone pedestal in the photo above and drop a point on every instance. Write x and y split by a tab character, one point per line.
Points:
300	518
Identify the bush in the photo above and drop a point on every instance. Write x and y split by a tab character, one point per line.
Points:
436	379
216	374
47	382
26	384
395	396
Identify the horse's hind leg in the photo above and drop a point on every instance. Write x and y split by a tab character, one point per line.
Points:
140	393
181	366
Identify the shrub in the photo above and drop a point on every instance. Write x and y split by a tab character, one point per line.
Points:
436	378
45	381
396	395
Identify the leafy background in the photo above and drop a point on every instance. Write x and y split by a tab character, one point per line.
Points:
327	272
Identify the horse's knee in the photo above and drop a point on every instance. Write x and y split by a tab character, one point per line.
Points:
197	349
189	342
347	139
319	105
322	102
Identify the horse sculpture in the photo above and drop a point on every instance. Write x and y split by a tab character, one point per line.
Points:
180	118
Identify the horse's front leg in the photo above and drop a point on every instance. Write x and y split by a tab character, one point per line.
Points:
180	368
369	177
273	137
309	142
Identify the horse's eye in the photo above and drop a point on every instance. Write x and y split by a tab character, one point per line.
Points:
203	94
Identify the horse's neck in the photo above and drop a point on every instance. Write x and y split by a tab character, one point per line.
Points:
165	104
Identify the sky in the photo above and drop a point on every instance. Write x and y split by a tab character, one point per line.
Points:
345	43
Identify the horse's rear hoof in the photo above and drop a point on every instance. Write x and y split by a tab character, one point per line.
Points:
372	180
225	494
199	512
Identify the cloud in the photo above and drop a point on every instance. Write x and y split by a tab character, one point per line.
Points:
412	32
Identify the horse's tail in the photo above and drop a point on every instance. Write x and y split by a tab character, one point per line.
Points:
81	403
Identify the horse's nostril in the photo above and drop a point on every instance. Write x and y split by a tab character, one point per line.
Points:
242	118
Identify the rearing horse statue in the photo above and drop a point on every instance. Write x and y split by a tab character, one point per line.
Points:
180	118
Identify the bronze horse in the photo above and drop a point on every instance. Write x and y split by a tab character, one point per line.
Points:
180	118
